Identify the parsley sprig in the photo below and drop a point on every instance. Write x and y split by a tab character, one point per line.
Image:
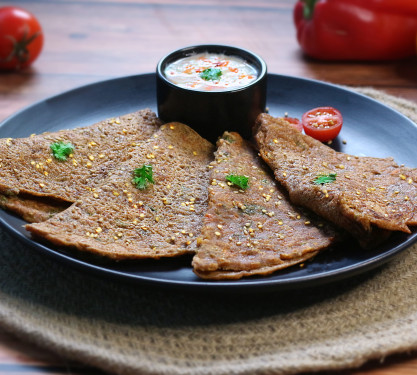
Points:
142	176
325	178
211	74
61	150
238	180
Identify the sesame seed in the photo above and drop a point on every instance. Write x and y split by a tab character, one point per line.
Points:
219	226
91	157
115	193
188	243
217	234
98	230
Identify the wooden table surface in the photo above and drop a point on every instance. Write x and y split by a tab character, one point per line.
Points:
91	40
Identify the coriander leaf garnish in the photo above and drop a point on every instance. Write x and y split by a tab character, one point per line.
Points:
228	138
325	178
238	180
211	74
61	150
142	176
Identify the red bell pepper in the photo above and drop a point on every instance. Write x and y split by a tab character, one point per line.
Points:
357	29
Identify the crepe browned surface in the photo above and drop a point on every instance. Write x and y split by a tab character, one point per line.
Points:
120	221
28	168
32	209
369	197
253	231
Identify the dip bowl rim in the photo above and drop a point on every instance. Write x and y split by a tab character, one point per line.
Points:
201	48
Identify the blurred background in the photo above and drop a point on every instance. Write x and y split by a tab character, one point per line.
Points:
91	40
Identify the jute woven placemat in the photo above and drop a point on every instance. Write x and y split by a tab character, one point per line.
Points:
128	329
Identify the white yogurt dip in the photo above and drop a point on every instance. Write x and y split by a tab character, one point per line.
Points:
210	72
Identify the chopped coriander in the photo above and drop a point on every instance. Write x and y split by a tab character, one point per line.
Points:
229	138
325	178
61	150
239	181
142	176
211	74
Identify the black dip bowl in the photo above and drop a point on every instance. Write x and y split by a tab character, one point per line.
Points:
211	113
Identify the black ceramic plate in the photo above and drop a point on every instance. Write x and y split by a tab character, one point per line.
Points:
370	129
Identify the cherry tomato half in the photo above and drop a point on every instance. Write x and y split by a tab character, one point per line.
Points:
322	123
294	122
21	38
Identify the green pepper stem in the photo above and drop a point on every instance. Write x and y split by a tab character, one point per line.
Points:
309	8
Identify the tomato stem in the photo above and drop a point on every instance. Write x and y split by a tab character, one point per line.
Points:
20	51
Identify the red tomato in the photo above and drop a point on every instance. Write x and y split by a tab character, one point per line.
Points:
294	122
322	123
21	38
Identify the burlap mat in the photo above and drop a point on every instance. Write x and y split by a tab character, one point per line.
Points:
128	329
